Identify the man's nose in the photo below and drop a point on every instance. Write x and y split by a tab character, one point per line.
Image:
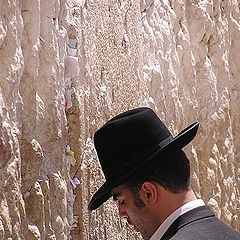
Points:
121	211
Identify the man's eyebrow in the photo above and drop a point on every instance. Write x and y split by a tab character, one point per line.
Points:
115	196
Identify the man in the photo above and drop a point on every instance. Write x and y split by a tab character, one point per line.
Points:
147	173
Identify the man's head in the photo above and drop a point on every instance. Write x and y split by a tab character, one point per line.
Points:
147	198
133	141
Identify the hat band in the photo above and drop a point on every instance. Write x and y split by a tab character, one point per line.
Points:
165	142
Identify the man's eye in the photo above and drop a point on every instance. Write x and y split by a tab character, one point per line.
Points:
121	201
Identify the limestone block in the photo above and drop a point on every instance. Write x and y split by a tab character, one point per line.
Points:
33	233
2	32
32	160
5	145
71	199
58	224
2	231
47	210
35	211
58	204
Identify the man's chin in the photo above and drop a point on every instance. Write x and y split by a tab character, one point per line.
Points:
133	227
136	229
144	236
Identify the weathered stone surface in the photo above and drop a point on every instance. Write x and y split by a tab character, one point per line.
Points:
178	57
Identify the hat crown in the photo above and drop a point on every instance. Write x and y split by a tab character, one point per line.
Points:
128	139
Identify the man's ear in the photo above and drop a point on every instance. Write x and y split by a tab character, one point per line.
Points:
149	193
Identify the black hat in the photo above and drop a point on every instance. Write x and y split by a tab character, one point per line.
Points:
129	141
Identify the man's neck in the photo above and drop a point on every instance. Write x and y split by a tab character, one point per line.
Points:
169	202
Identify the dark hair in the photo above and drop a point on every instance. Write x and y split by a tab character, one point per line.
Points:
171	171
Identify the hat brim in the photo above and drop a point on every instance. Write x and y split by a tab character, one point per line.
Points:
178	142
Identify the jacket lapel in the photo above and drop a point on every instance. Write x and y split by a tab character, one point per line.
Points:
189	217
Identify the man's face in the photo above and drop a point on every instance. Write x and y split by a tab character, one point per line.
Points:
139	218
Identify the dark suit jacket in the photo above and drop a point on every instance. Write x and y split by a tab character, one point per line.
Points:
199	224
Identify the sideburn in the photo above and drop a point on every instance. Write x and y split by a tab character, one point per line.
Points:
137	200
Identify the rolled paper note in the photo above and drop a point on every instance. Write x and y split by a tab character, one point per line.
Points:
26	195
67	148
68	97
71	153
73	184
103	91
72	43
67	82
76	181
71	51
81	2
71	66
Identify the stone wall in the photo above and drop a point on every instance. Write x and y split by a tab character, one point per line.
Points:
67	66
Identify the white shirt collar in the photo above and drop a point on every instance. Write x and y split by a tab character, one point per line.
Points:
171	218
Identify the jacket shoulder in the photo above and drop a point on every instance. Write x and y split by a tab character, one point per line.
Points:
199	224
